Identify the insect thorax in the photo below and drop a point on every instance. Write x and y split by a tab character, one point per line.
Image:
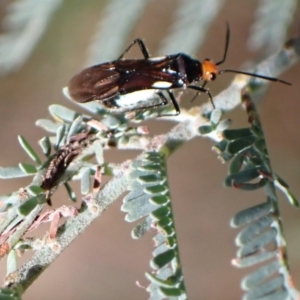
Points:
193	68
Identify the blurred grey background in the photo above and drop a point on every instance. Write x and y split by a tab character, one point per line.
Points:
104	262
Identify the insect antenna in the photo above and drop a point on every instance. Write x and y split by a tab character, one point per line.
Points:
255	75
241	72
226	45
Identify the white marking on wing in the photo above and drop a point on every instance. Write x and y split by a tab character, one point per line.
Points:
135	98
161	84
156	58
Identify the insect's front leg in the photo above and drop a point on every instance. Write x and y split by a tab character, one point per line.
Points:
198	93
202	89
141	45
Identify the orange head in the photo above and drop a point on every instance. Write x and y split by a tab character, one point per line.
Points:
209	70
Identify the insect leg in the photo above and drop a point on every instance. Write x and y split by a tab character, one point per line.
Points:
175	103
162	103
165	102
202	89
141	45
197	94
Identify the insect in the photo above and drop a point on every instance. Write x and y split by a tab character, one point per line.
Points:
61	160
130	83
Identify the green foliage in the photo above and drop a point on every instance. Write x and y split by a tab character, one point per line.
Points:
149	196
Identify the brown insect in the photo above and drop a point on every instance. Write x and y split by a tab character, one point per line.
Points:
61	160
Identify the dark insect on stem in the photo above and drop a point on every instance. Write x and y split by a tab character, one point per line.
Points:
130	84
61	160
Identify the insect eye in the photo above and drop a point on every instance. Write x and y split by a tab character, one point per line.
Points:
213	76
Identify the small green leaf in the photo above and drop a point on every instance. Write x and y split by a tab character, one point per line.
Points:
159	199
171	292
111	122
216	116
260	146
283	186
251	186
62	113
233	134
45	145
240	144
248	233
258	242
270	290
86	184
153	157
205	129
59	135
292	199
98	149
255	259
168	230
12	172
35	190
236	163
161	282
257	277
29	150
27	168
140	229
17	220
223	125
221	146
150	178
165	222
171	241
9	294
11	263
161	213
151	167
225	156
70	192
26	207
107	170
137	210
280	181
162	259
156	189
120	135
76	124
251	214
242	176
47	125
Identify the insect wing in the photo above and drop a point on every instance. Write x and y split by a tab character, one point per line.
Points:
99	82
109	80
153	73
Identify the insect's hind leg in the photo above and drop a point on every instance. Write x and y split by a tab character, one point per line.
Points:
141	45
162	103
165	102
175	103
